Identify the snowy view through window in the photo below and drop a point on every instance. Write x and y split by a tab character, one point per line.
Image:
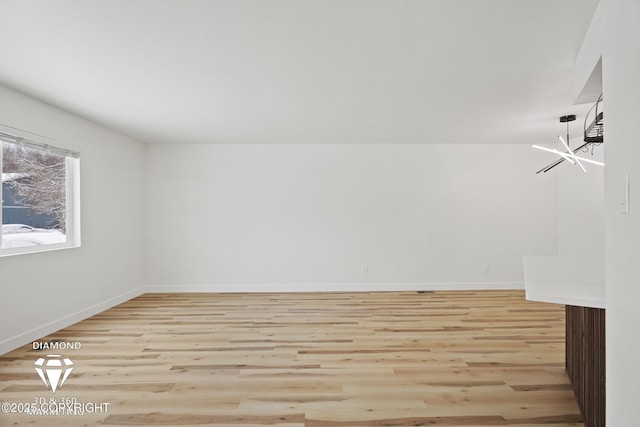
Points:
34	199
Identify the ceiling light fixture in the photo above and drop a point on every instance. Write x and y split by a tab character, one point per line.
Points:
569	155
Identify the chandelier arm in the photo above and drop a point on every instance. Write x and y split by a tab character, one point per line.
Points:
560	160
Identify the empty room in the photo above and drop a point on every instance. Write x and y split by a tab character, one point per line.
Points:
299	213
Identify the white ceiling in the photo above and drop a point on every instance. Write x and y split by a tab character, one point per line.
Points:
302	71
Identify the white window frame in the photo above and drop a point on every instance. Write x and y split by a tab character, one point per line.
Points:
72	165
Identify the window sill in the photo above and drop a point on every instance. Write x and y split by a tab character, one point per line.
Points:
36	249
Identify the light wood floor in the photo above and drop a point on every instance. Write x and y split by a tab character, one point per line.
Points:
486	358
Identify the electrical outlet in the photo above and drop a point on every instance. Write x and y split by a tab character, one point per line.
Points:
364	269
485	268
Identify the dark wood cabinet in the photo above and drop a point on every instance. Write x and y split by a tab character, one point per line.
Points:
585	360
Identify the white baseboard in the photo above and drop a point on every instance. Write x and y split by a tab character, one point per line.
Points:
55	325
335	287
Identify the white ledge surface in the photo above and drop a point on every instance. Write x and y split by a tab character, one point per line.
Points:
575	281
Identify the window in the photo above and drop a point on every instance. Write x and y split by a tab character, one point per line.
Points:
39	196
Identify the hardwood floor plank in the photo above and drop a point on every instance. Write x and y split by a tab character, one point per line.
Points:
161	419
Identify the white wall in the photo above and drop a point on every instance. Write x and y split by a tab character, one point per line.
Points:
43	292
615	34
308	217
621	83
